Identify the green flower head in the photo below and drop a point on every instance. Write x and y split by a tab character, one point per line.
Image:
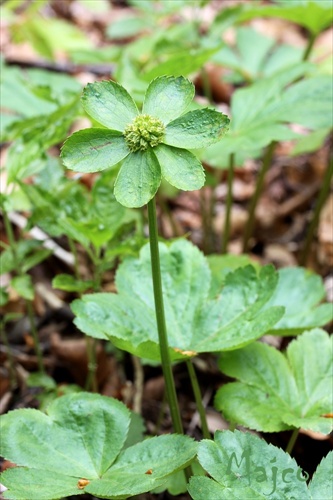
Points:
151	144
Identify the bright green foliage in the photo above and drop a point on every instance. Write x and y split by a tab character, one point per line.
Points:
141	140
300	291
194	322
260	113
256	56
315	15
81	438
244	466
276	392
256	116
69	283
221	265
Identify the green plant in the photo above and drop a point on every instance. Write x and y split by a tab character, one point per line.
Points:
151	145
241	465
86	444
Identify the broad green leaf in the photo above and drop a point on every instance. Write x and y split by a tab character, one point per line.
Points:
127	27
276	392
311	142
300	292
321	484
221	265
79	444
138	179
69	283
109	104
168	97
92	150
241	465
38	484
4	296
180	167
144	466
194	322
71	439
312	15
39	379
256	116
23	286
196	129
181	63
249	56
309	102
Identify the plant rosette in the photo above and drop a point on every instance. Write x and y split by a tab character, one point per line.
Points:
151	145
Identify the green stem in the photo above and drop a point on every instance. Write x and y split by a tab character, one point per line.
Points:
254	200
160	319
198	399
226	232
292	441
308	48
205	216
325	189
34	334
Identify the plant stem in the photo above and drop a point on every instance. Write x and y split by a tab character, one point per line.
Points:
160	319
254	200
226	232
325	189
198	399
308	48
73	249
292	441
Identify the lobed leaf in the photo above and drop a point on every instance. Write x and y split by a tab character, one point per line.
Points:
195	322
276	392
299	291
242	465
76	448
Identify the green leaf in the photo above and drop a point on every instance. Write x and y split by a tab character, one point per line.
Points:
278	392
109	104
23	286
300	292
4	296
81	439
161	455
168	97
241	465
69	283
194	322
92	150
312	15
321	484
138	179
196	129
257	119
311	142
127	27
39	379
221	265
180	167
181	63
34	259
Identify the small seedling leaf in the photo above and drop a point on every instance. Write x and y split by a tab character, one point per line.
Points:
276	392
